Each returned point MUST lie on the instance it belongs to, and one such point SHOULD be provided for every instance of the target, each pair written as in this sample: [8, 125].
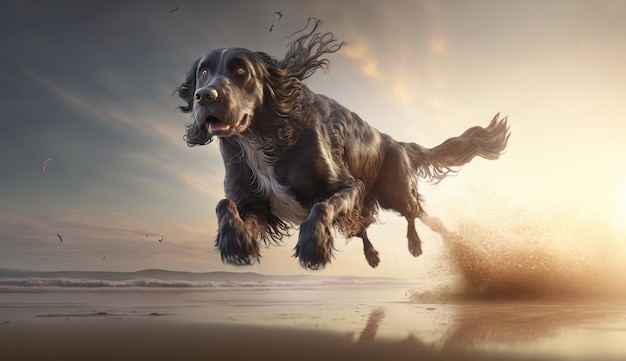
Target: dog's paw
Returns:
[315, 243]
[415, 249]
[415, 246]
[371, 255]
[236, 244]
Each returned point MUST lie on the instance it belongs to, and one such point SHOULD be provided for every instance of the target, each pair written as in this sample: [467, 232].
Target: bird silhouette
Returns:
[175, 9]
[279, 13]
[271, 28]
[45, 164]
[161, 240]
[61, 238]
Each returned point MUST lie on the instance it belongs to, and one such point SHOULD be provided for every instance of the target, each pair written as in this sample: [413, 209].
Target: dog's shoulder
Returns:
[335, 117]
[324, 108]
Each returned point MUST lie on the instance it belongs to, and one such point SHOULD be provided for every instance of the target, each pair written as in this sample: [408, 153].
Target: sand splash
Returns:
[529, 260]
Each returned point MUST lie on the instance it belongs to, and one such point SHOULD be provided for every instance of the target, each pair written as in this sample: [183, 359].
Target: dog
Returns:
[296, 158]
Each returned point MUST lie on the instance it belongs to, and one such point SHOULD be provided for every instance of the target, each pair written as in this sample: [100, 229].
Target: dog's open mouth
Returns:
[221, 129]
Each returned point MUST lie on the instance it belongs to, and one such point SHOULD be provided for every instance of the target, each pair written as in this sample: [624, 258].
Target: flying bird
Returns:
[271, 28]
[103, 258]
[279, 13]
[175, 9]
[161, 240]
[45, 164]
[61, 238]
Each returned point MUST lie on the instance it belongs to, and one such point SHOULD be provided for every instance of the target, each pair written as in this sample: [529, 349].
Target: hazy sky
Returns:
[90, 85]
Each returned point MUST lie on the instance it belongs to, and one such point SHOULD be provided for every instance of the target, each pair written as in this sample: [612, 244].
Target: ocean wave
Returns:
[45, 285]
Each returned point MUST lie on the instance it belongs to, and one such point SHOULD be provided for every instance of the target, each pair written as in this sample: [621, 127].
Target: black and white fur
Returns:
[296, 158]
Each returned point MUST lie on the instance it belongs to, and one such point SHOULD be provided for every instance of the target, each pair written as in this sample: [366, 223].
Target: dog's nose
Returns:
[206, 95]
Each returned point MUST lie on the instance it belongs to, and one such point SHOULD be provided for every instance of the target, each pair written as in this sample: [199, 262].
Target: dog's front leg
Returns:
[237, 236]
[315, 243]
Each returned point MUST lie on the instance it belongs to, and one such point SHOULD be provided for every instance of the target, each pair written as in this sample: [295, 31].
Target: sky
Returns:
[91, 85]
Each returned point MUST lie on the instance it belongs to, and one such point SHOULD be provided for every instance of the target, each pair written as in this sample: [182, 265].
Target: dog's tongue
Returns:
[217, 126]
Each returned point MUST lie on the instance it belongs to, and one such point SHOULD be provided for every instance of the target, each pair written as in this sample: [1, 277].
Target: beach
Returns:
[501, 301]
[325, 321]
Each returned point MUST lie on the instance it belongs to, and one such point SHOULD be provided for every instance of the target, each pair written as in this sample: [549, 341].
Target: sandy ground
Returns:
[304, 324]
[162, 339]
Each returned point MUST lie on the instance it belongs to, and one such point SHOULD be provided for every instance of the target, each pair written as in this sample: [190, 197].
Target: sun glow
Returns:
[620, 217]
[623, 208]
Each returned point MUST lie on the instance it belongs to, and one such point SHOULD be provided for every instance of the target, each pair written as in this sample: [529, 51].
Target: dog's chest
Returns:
[265, 183]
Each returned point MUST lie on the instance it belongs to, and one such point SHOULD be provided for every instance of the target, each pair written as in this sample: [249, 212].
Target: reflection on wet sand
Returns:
[542, 330]
[509, 330]
[371, 327]
[485, 324]
[515, 324]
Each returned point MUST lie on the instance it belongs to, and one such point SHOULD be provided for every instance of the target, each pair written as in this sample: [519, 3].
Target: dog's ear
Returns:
[187, 89]
[269, 60]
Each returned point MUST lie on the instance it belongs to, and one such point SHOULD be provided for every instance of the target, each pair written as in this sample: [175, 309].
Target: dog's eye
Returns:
[204, 73]
[241, 71]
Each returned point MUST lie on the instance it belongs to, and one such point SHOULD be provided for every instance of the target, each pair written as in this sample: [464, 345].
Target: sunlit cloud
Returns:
[438, 44]
[437, 40]
[193, 178]
[363, 53]
[404, 92]
[411, 72]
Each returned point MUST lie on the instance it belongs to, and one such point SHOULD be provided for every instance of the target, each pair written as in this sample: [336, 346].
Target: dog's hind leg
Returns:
[397, 190]
[315, 242]
[371, 254]
[415, 244]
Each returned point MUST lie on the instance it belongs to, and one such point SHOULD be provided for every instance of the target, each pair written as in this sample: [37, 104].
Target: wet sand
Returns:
[166, 340]
[304, 324]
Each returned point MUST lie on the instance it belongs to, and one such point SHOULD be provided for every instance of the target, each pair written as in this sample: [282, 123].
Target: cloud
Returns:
[72, 99]
[96, 110]
[362, 52]
[437, 39]
[161, 141]
[438, 44]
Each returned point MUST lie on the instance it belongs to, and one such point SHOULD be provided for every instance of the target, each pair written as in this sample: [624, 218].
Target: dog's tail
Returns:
[436, 163]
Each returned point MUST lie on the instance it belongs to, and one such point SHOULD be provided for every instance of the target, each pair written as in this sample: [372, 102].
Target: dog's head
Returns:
[230, 91]
[223, 90]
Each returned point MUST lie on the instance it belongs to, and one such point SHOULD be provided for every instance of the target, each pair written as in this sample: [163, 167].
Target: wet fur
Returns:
[297, 158]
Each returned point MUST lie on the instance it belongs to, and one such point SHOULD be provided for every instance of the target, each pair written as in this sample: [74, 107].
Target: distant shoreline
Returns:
[168, 274]
[20, 281]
